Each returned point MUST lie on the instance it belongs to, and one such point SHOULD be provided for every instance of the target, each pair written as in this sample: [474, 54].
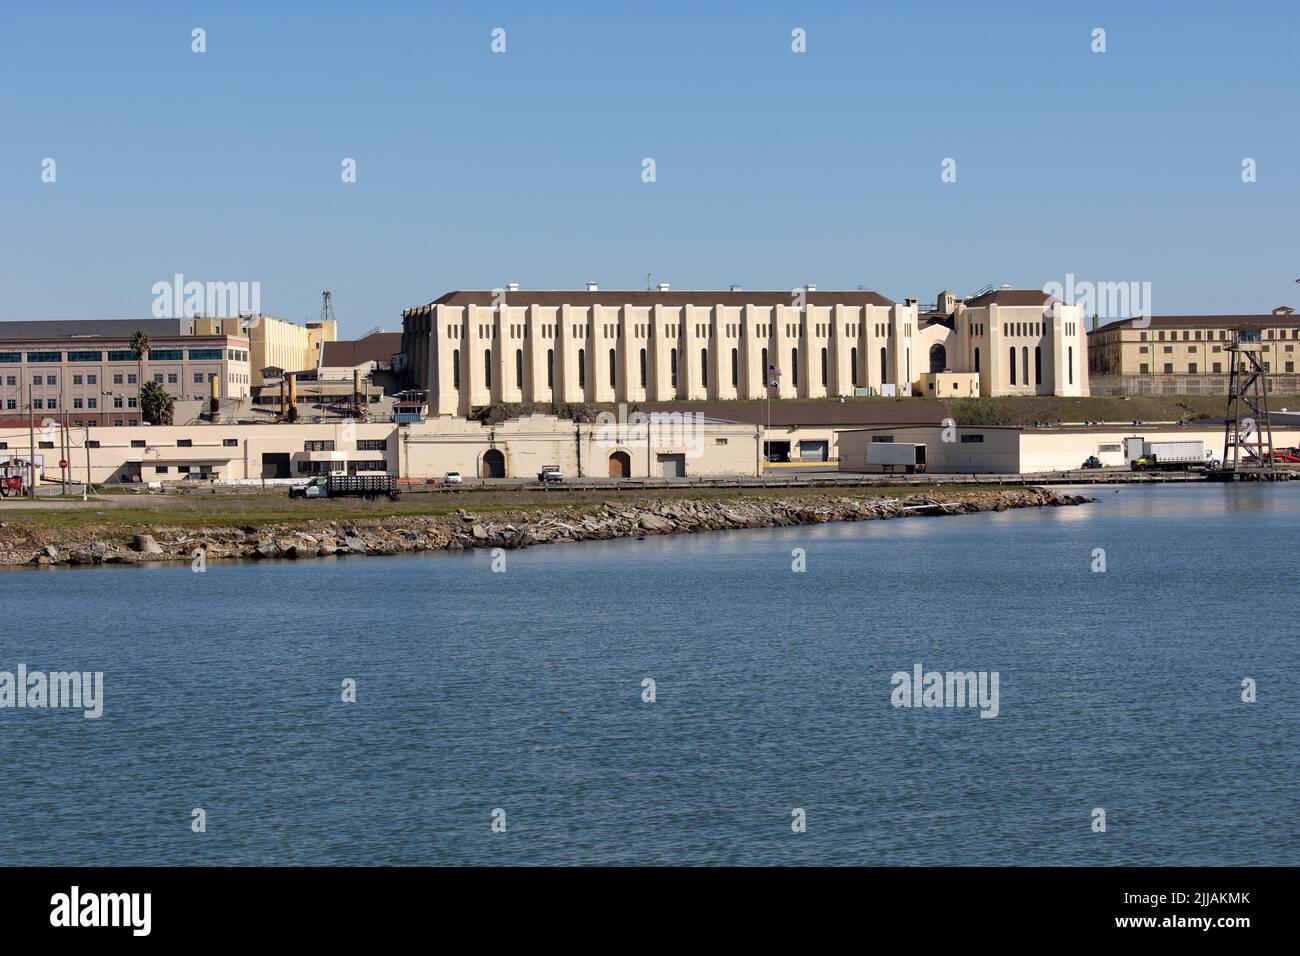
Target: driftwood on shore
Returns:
[396, 534]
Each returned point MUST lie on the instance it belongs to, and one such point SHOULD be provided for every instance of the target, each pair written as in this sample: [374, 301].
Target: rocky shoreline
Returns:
[398, 534]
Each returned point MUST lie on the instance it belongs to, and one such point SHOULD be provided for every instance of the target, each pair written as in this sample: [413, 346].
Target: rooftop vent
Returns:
[663, 287]
[592, 287]
[735, 288]
[1284, 310]
[512, 286]
[810, 287]
[1005, 285]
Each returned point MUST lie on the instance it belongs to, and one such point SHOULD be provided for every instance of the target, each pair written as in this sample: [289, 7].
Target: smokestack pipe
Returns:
[356, 393]
[283, 408]
[214, 384]
[293, 397]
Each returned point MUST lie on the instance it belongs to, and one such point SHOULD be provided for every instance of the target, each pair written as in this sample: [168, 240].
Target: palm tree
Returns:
[156, 405]
[140, 346]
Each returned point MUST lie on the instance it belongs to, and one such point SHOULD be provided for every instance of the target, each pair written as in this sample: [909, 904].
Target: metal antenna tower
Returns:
[1247, 433]
[327, 306]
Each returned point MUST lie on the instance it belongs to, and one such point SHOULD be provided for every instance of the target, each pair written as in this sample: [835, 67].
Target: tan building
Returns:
[273, 343]
[471, 349]
[1186, 354]
[88, 369]
[672, 445]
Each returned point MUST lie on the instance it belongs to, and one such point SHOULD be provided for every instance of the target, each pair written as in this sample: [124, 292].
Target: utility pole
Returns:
[31, 443]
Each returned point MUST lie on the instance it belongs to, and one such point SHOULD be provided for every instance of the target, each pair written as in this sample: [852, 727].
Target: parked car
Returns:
[1092, 461]
[550, 473]
[453, 478]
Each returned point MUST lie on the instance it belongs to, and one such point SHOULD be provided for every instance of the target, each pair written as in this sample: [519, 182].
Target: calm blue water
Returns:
[522, 690]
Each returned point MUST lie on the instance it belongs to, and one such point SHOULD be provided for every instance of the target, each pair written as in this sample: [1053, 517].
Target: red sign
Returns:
[63, 463]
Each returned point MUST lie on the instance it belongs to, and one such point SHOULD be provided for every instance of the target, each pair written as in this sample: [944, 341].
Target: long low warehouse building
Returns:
[670, 445]
[1013, 450]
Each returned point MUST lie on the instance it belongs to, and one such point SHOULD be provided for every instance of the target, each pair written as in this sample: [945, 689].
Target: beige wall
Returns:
[1200, 350]
[688, 352]
[1009, 450]
[425, 450]
[276, 342]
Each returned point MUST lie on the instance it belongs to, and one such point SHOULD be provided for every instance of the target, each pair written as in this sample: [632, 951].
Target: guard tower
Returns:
[1247, 434]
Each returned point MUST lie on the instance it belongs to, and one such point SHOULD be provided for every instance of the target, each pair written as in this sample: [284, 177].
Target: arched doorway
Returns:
[494, 463]
[938, 358]
[620, 465]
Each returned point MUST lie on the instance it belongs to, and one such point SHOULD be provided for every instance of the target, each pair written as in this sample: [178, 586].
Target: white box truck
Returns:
[1166, 455]
[890, 455]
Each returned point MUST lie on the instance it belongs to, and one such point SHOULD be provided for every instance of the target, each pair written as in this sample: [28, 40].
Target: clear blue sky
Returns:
[773, 168]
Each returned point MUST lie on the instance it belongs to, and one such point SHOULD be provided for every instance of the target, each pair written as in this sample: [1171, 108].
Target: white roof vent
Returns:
[512, 286]
[810, 287]
[663, 287]
[1005, 285]
[736, 288]
[592, 287]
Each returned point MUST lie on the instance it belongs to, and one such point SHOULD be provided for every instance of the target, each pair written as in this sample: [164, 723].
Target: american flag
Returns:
[773, 376]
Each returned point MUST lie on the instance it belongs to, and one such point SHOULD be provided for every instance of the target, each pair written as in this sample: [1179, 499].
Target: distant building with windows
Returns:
[469, 349]
[87, 366]
[1186, 354]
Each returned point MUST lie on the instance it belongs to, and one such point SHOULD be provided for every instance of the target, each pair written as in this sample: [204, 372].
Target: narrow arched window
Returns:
[643, 368]
[519, 368]
[824, 367]
[455, 368]
[550, 368]
[735, 368]
[582, 368]
[704, 368]
[1013, 365]
[613, 368]
[487, 368]
[794, 367]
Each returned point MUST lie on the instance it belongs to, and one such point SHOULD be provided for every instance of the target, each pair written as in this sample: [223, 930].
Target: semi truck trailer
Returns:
[890, 455]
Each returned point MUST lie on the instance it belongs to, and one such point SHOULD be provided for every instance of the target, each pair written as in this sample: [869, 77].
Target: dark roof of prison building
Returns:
[375, 347]
[92, 328]
[650, 297]
[1286, 320]
[1013, 297]
[814, 412]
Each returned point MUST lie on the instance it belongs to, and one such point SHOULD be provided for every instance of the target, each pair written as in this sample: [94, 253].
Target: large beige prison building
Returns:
[471, 349]
[1187, 354]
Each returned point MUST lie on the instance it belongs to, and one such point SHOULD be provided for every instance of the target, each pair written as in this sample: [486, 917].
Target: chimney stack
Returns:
[356, 393]
[592, 287]
[214, 391]
[293, 397]
[283, 407]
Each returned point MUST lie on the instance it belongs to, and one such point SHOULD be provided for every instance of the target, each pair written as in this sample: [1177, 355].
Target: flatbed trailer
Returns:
[369, 487]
